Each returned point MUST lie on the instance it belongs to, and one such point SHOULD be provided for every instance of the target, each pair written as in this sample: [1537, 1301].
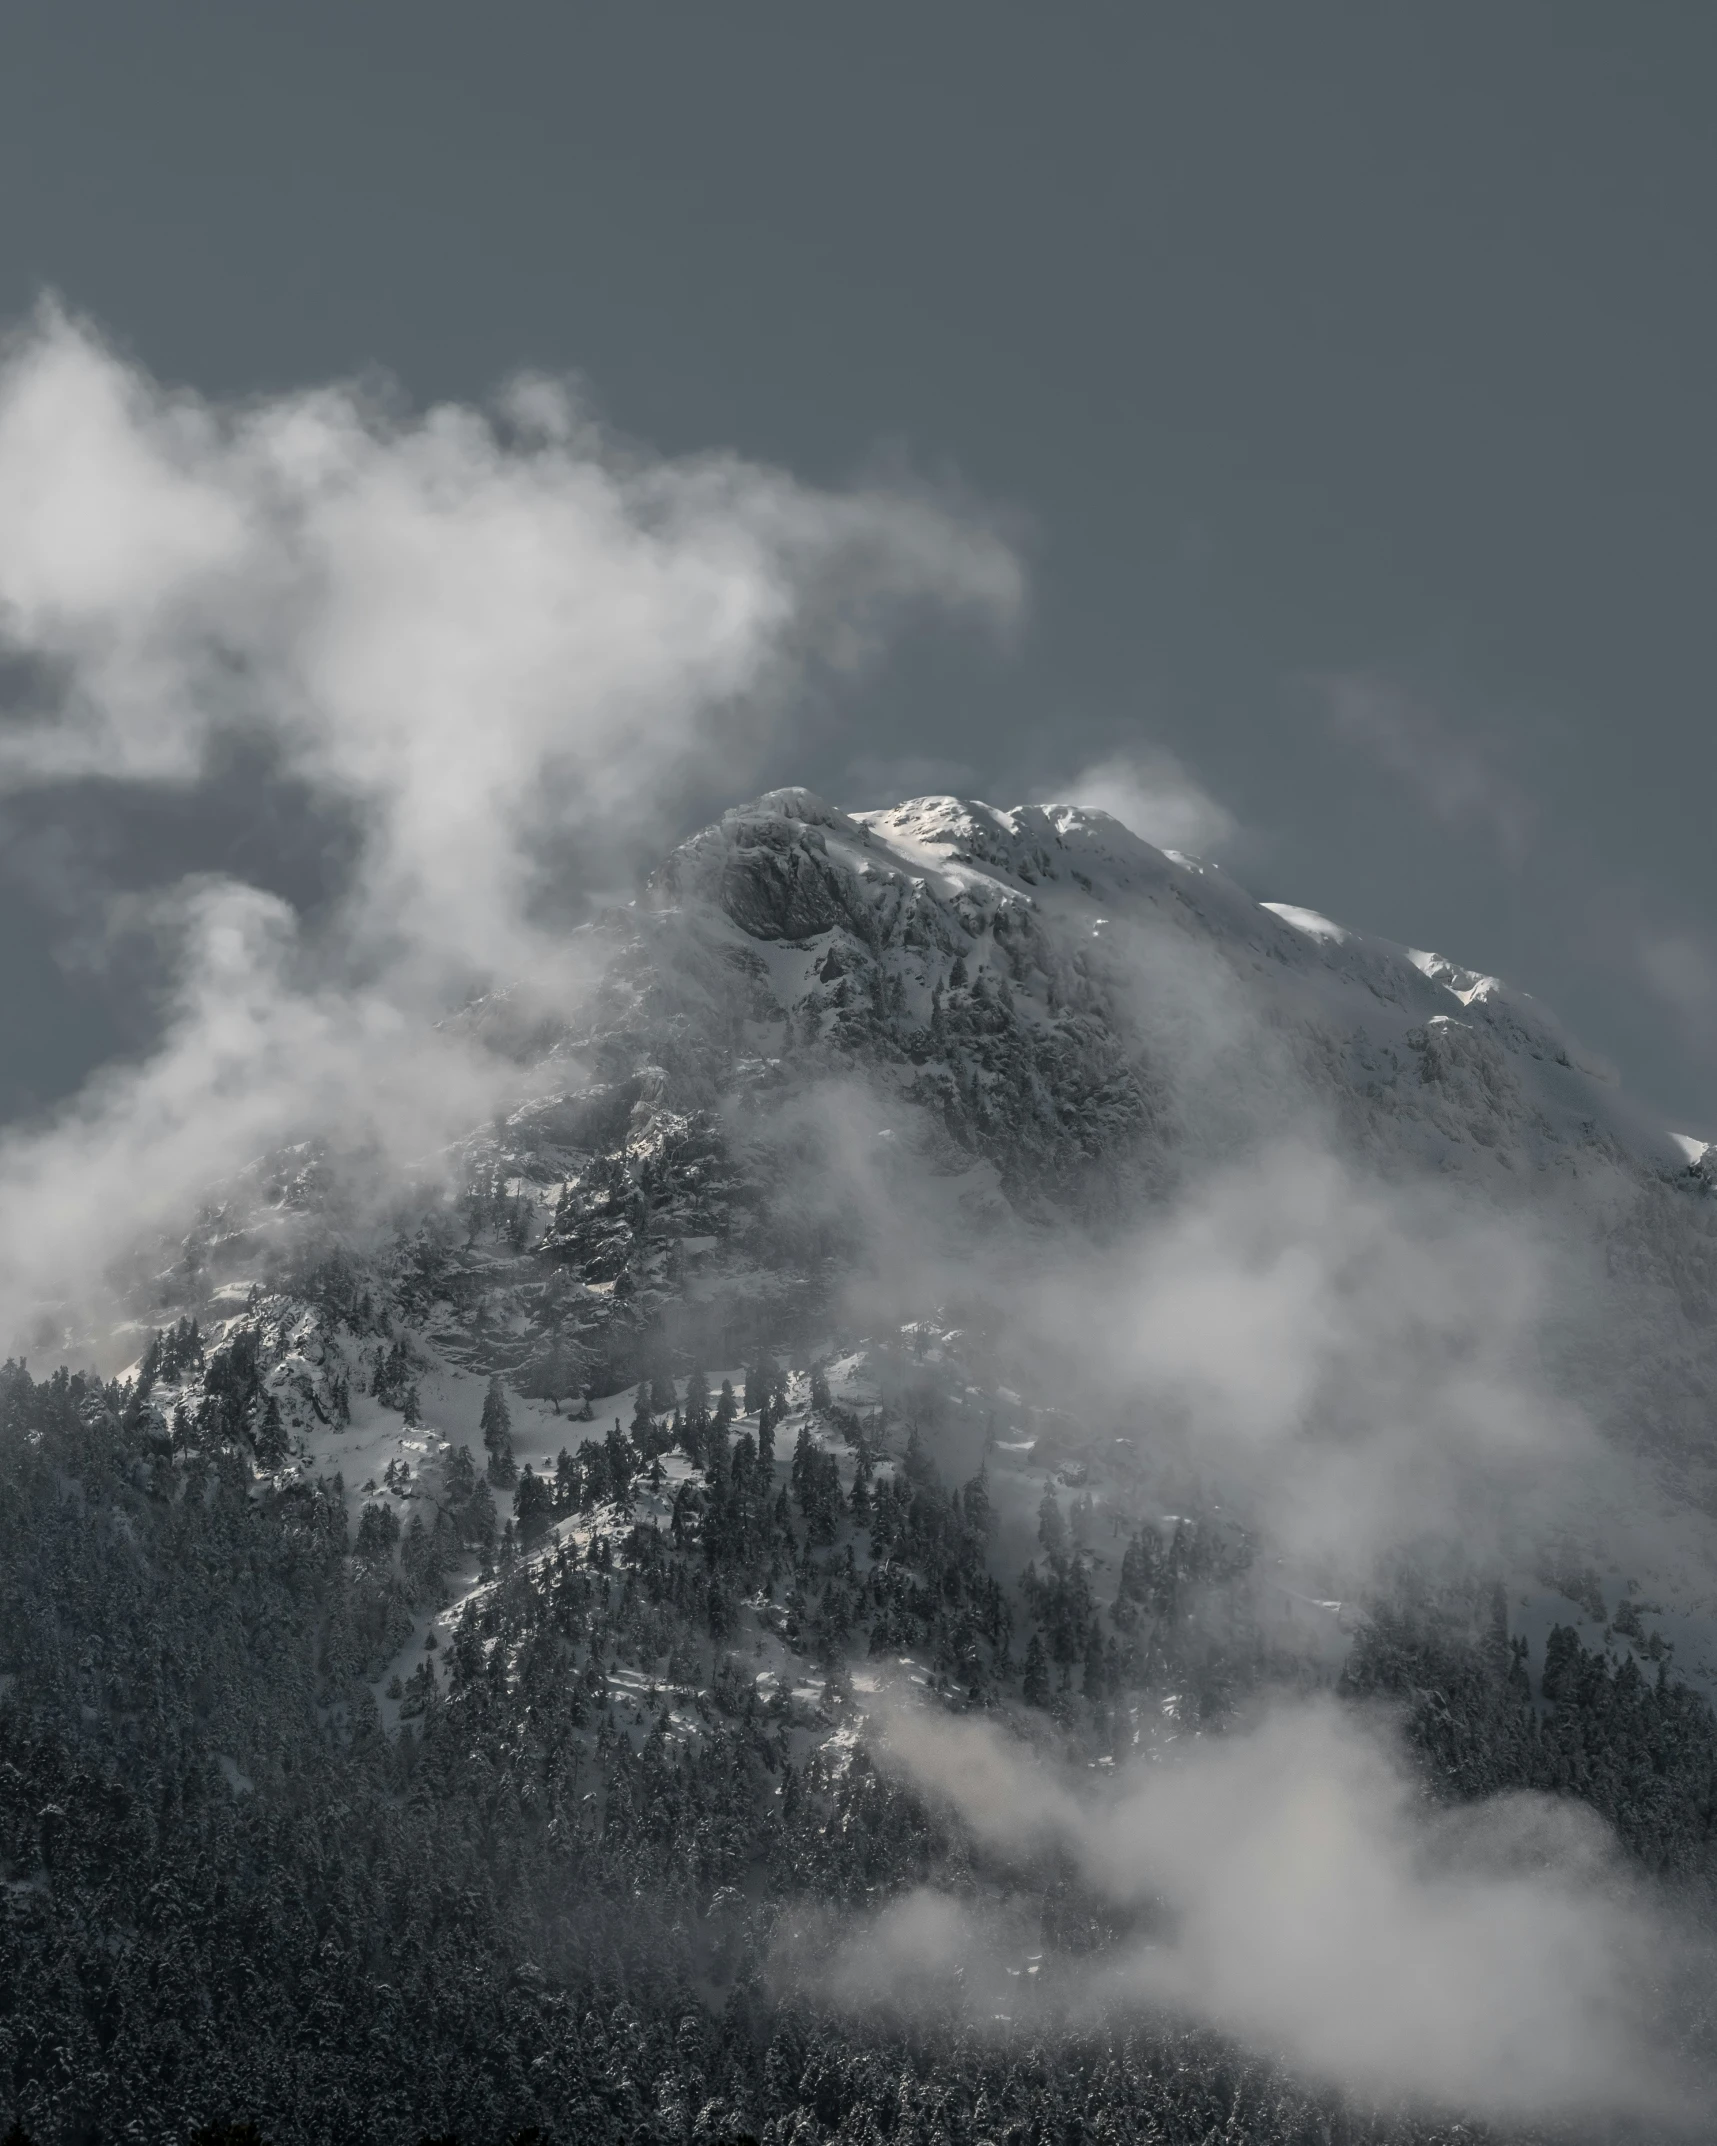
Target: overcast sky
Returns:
[1345, 373]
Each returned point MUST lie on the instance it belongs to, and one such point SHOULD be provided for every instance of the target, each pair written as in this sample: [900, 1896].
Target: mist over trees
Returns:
[539, 1772]
[561, 1892]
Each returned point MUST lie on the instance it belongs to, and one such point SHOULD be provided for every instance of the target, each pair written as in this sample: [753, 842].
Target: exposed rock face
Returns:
[994, 1022]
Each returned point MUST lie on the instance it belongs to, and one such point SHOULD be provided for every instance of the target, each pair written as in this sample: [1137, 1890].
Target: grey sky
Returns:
[1348, 368]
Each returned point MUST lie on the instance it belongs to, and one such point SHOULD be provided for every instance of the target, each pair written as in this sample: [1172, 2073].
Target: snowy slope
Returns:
[944, 1024]
[1068, 920]
[906, 1124]
[964, 1022]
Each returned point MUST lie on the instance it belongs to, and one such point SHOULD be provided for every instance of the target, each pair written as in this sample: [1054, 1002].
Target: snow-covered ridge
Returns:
[1021, 1019]
[1067, 1024]
[1054, 898]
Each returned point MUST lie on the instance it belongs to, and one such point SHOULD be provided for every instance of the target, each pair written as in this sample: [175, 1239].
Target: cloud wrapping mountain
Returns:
[501, 642]
[1353, 1240]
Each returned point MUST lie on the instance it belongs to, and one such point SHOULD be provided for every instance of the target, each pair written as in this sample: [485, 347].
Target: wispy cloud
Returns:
[1451, 773]
[1680, 967]
[1289, 1885]
[501, 645]
[1152, 793]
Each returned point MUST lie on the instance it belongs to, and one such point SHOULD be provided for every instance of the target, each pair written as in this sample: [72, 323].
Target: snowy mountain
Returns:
[1029, 1020]
[1065, 1227]
[840, 1073]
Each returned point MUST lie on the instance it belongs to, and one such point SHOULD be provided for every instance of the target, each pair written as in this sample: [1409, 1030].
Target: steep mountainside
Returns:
[1046, 1020]
[438, 1681]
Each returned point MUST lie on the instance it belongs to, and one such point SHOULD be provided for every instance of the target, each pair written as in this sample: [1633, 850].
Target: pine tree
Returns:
[1051, 1527]
[1096, 1679]
[459, 1478]
[496, 1420]
[715, 1458]
[533, 1507]
[620, 1460]
[1034, 1688]
[270, 1435]
[496, 1423]
[378, 1531]
[393, 1375]
[803, 1453]
[417, 1557]
[481, 1522]
[975, 1502]
[556, 1376]
[917, 1465]
[1138, 1566]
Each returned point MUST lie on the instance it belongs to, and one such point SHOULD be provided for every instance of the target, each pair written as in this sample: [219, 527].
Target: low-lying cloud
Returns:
[1289, 1885]
[1350, 1363]
[1348, 1348]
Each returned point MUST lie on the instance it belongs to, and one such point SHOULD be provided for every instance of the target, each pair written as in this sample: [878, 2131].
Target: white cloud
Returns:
[491, 638]
[1357, 1362]
[1290, 1886]
[1346, 1347]
[1152, 793]
[483, 639]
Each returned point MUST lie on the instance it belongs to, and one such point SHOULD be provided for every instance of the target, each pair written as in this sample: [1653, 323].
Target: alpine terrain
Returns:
[1010, 1496]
